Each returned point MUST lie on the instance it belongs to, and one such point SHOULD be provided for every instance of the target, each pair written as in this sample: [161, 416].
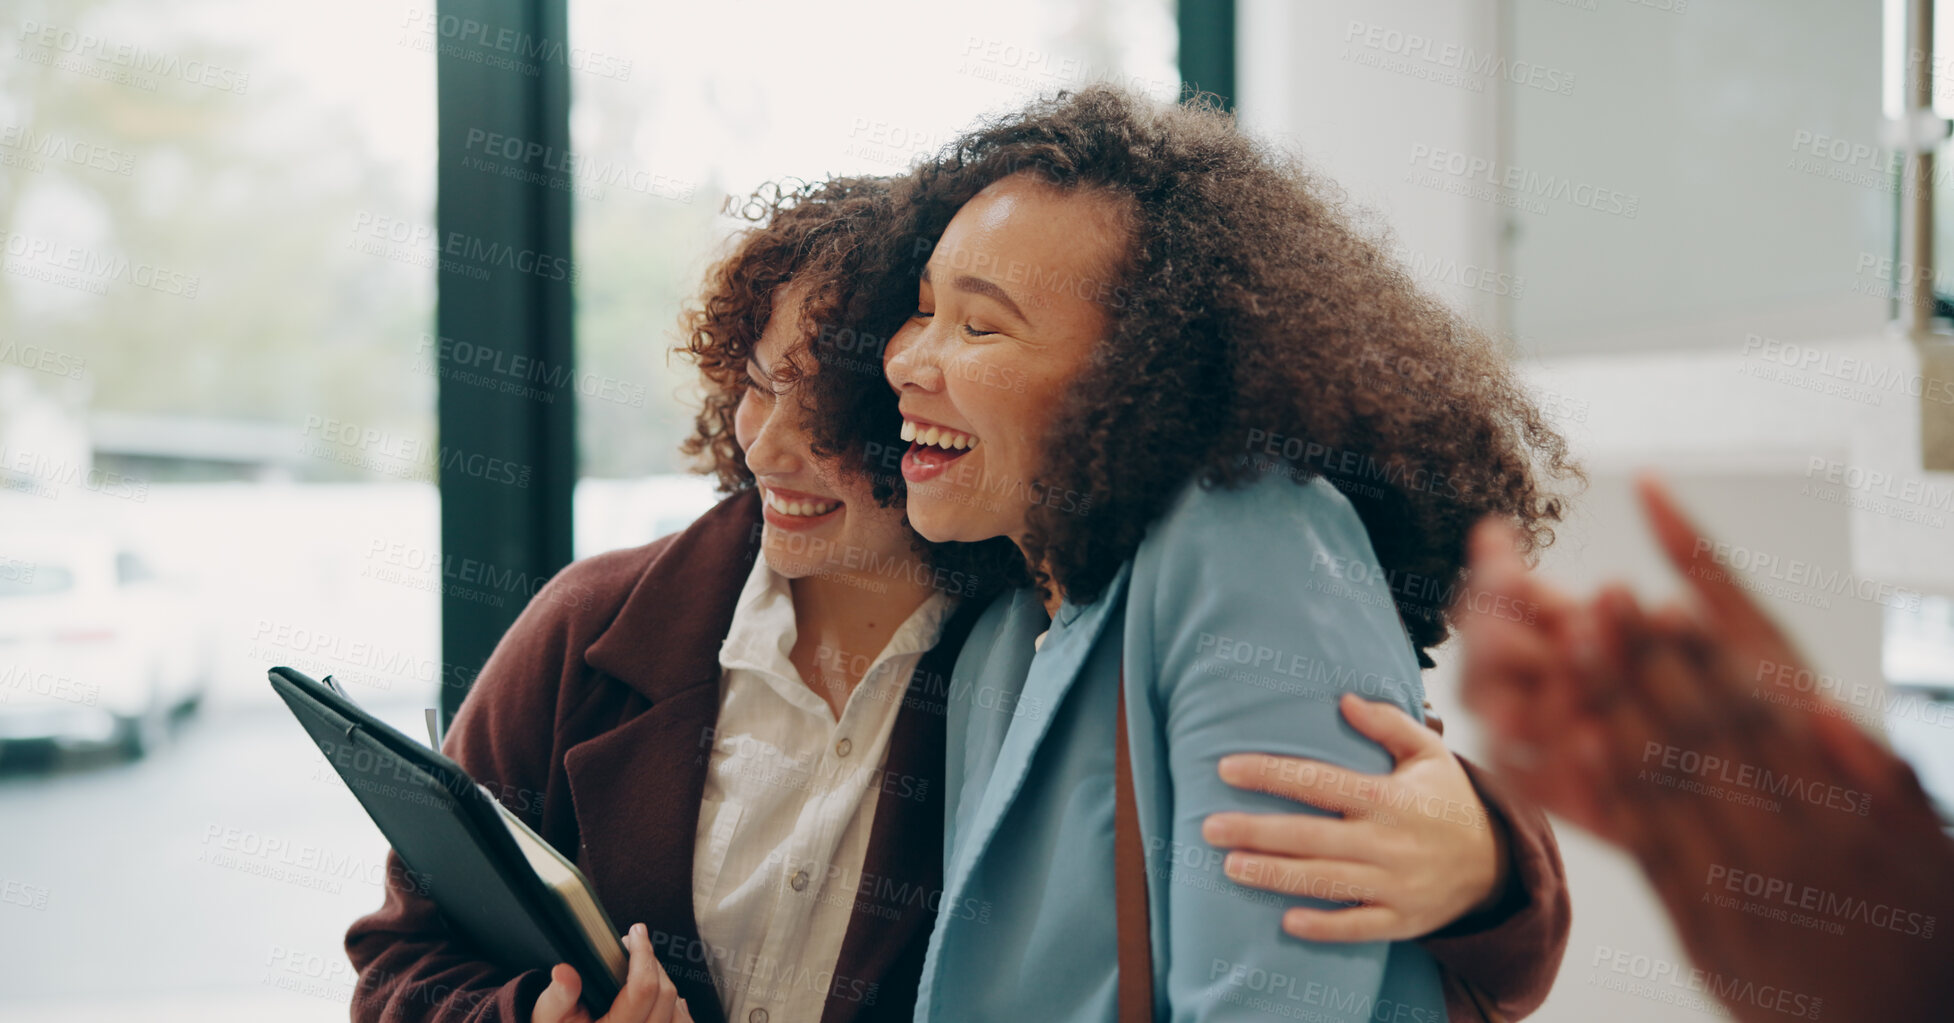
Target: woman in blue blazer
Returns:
[1238, 451]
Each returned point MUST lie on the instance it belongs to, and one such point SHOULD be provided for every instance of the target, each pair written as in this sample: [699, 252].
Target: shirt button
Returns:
[757, 1016]
[843, 748]
[799, 882]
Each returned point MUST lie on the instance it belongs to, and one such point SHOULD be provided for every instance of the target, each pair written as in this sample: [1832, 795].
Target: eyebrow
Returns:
[978, 285]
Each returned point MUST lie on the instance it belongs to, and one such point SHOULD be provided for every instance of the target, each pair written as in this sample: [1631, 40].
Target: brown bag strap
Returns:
[1135, 989]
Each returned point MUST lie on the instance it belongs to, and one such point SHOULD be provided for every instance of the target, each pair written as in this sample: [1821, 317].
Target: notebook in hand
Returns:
[500, 884]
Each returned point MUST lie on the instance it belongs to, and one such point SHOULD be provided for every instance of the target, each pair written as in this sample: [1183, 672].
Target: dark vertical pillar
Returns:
[507, 406]
[1207, 49]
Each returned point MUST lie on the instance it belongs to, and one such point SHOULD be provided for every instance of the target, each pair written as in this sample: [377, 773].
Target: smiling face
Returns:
[1008, 313]
[817, 519]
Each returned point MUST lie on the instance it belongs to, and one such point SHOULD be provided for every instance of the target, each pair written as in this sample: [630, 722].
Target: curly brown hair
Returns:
[1254, 328]
[836, 240]
[809, 233]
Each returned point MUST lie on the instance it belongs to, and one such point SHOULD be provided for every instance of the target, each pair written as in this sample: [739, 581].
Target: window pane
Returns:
[216, 419]
[1917, 706]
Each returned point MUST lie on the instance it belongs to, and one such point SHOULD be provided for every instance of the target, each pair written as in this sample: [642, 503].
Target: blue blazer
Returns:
[1240, 620]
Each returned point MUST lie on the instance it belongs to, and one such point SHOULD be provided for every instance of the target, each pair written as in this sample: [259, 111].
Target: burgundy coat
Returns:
[593, 720]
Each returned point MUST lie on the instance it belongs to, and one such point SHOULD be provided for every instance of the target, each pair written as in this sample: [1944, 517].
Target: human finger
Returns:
[1358, 923]
[558, 1001]
[1383, 723]
[1331, 880]
[1314, 782]
[638, 998]
[1298, 835]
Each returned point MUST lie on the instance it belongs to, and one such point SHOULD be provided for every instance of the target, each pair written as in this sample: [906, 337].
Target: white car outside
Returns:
[94, 648]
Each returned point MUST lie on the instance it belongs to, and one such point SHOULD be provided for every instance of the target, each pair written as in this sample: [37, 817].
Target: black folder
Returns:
[508, 892]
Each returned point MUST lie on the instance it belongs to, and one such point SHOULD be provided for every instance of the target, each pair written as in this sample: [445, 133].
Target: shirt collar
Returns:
[763, 630]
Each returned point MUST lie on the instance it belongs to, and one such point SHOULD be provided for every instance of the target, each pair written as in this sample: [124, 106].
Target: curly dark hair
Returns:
[811, 233]
[1254, 328]
[837, 240]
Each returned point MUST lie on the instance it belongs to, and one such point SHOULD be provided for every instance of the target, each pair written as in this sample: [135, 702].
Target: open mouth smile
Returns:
[931, 449]
[790, 510]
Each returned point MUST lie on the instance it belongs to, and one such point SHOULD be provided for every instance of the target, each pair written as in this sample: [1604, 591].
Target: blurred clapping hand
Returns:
[1800, 862]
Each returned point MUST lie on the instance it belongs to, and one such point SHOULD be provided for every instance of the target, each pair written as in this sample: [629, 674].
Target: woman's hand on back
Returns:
[649, 996]
[1414, 850]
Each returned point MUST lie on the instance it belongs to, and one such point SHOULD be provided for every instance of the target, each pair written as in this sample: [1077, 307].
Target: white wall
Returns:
[1709, 116]
[1304, 83]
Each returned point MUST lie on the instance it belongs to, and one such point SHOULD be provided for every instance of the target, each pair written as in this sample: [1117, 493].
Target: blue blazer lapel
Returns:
[1058, 665]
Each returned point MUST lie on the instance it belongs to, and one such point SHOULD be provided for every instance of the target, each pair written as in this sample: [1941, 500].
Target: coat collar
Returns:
[1060, 662]
[661, 646]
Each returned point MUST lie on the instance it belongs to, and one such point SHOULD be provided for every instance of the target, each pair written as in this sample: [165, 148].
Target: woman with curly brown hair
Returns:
[1159, 362]
[736, 730]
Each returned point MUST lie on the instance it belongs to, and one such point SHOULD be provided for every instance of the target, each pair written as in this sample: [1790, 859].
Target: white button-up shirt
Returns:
[789, 801]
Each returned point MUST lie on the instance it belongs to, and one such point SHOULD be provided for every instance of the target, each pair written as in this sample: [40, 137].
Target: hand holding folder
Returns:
[498, 883]
[648, 996]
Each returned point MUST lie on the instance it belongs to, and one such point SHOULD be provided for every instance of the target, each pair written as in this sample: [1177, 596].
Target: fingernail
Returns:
[1215, 828]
